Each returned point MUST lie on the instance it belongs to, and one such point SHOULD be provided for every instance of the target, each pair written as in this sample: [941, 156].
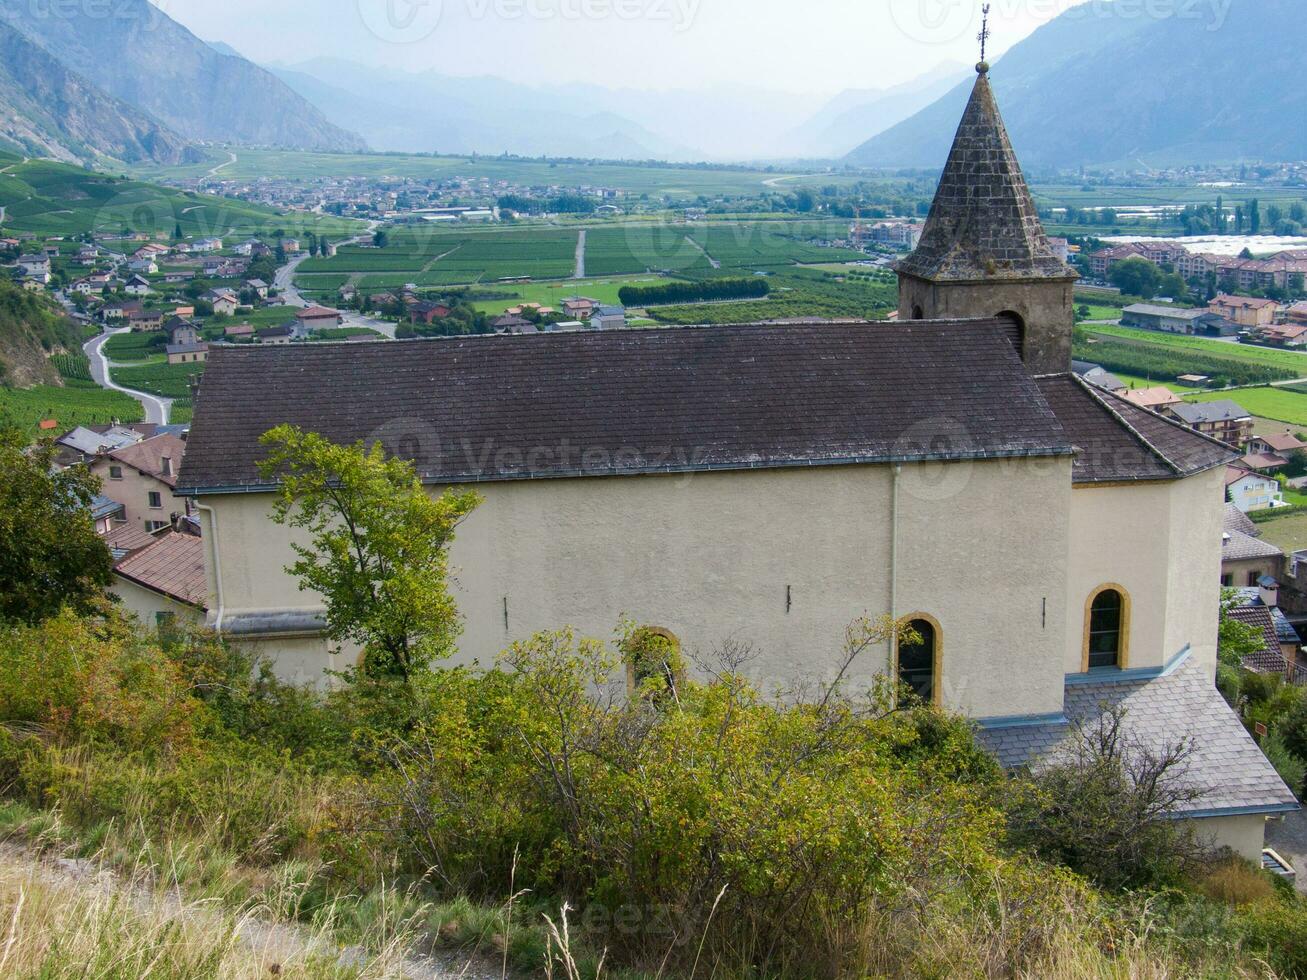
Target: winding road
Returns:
[156, 409]
[290, 296]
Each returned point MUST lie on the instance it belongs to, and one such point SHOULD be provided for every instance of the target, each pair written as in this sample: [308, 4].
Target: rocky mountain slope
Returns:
[48, 110]
[1104, 85]
[149, 61]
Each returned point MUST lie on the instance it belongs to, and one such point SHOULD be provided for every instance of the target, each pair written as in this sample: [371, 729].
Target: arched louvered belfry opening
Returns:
[1016, 331]
[918, 313]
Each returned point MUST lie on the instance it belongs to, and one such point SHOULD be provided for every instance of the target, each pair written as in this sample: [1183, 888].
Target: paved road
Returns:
[156, 409]
[1288, 837]
[222, 166]
[290, 296]
[580, 256]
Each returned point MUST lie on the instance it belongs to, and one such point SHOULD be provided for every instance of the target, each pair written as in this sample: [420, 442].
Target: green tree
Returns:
[1254, 216]
[1136, 277]
[50, 555]
[377, 546]
[381, 239]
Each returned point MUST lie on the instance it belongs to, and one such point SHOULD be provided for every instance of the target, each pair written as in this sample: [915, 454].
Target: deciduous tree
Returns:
[377, 546]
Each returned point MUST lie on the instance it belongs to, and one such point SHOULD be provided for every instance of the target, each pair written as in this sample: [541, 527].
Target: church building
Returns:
[1056, 548]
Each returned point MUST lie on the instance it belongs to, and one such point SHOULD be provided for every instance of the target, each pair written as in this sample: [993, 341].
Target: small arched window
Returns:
[918, 313]
[655, 667]
[918, 658]
[1107, 629]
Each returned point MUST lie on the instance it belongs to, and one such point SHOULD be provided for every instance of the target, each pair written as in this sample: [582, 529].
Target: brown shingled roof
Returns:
[619, 402]
[1120, 442]
[173, 566]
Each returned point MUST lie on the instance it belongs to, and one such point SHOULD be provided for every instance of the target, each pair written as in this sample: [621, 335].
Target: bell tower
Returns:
[983, 251]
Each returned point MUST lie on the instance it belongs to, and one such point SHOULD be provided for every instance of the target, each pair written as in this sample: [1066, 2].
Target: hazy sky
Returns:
[792, 45]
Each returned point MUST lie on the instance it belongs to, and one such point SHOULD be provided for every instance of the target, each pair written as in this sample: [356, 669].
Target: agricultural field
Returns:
[552, 294]
[456, 256]
[158, 377]
[1157, 354]
[763, 243]
[792, 296]
[77, 403]
[48, 198]
[635, 248]
[633, 178]
[1275, 404]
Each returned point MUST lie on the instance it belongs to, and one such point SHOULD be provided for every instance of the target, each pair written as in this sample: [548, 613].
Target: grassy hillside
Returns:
[47, 198]
[30, 331]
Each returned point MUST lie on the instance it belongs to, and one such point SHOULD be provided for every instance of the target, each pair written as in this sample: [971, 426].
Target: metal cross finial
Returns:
[983, 36]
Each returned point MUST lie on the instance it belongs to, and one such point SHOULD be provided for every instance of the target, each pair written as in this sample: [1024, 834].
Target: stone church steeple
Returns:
[983, 251]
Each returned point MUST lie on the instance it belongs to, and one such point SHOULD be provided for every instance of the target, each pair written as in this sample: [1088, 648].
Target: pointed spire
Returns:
[983, 224]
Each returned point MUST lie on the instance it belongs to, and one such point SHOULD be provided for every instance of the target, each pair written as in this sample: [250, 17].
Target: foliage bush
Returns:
[704, 290]
[821, 832]
[1161, 362]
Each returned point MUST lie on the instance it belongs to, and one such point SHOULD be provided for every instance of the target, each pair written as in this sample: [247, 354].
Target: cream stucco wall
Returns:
[1245, 835]
[1161, 542]
[712, 556]
[146, 605]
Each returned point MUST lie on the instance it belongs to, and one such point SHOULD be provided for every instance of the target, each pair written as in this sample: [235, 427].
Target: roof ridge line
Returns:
[1125, 423]
[1179, 425]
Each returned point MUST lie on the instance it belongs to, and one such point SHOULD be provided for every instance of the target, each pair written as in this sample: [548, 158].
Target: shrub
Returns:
[782, 816]
[1105, 808]
[1277, 932]
[705, 290]
[94, 682]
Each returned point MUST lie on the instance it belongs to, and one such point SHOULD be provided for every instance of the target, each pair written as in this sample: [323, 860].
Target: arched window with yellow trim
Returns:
[655, 667]
[1107, 629]
[918, 656]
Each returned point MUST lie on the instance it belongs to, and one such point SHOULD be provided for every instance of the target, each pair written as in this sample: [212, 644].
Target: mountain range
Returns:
[137, 86]
[430, 112]
[1104, 85]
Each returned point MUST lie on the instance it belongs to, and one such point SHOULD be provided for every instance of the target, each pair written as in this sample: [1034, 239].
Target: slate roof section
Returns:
[147, 457]
[983, 224]
[1270, 659]
[1237, 520]
[124, 540]
[1238, 546]
[602, 403]
[1119, 442]
[173, 566]
[1209, 412]
[1183, 704]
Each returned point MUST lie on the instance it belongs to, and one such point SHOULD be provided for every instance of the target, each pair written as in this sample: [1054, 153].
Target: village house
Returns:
[239, 331]
[141, 477]
[768, 483]
[138, 286]
[1169, 319]
[428, 312]
[143, 321]
[192, 353]
[258, 287]
[1225, 420]
[608, 318]
[1245, 310]
[1251, 491]
[1291, 335]
[163, 583]
[1280, 443]
[182, 331]
[223, 301]
[317, 317]
[1245, 558]
[1158, 399]
[579, 308]
[279, 335]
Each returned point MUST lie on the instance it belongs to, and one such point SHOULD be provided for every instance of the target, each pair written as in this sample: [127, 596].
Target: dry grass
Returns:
[54, 929]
